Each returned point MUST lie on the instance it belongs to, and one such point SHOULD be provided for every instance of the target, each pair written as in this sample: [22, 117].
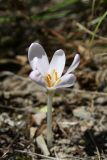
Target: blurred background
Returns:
[76, 26]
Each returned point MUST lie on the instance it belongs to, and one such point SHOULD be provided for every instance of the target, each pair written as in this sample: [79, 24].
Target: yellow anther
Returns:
[53, 79]
[55, 74]
[49, 76]
[48, 80]
[58, 81]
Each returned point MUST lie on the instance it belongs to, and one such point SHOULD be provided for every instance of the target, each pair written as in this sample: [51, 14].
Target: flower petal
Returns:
[38, 78]
[67, 80]
[33, 63]
[58, 62]
[74, 64]
[36, 50]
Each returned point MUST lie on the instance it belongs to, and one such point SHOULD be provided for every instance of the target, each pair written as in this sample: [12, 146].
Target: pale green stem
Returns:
[49, 120]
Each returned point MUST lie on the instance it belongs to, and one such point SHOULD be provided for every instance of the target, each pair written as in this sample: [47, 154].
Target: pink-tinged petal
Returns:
[74, 64]
[36, 50]
[38, 78]
[67, 80]
[58, 62]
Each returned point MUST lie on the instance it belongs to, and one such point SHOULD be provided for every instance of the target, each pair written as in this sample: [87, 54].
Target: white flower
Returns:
[49, 76]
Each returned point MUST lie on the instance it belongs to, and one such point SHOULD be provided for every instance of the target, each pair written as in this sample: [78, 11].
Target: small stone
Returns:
[32, 132]
[42, 145]
[82, 113]
[38, 117]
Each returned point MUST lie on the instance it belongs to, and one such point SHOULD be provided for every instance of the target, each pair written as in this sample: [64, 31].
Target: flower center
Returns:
[52, 79]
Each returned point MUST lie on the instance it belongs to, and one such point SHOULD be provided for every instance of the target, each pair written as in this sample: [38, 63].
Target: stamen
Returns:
[53, 79]
[55, 75]
[48, 80]
[58, 81]
[49, 76]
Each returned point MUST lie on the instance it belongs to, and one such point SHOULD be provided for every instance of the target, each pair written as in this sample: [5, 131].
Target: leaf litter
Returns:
[80, 113]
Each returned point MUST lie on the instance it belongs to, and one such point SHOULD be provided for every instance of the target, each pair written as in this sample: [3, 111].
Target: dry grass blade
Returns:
[90, 32]
[93, 7]
[35, 154]
[97, 150]
[97, 26]
[88, 92]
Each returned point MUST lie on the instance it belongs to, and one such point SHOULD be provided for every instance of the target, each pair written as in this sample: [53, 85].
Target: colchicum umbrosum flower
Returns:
[49, 75]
